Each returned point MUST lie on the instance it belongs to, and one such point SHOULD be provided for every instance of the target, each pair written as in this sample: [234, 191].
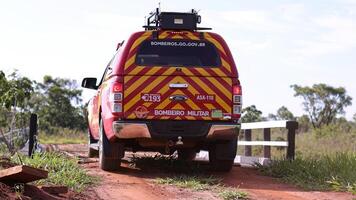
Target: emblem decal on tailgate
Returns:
[141, 112]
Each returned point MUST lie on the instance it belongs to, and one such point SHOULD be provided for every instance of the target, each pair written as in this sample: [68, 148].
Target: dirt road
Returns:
[132, 183]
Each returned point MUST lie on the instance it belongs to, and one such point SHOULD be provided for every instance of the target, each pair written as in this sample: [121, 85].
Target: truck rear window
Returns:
[178, 53]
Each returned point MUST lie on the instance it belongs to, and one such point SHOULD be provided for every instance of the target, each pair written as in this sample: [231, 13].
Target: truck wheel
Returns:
[222, 155]
[186, 154]
[92, 152]
[109, 153]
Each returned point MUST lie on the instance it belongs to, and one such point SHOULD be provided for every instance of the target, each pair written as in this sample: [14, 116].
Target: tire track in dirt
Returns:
[135, 184]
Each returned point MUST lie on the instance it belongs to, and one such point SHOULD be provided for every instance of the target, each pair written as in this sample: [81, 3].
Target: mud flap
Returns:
[225, 150]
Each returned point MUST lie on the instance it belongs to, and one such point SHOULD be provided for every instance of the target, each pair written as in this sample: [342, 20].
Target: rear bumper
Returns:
[141, 129]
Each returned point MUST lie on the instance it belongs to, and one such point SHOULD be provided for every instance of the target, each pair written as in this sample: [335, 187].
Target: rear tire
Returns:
[92, 153]
[186, 154]
[222, 155]
[109, 153]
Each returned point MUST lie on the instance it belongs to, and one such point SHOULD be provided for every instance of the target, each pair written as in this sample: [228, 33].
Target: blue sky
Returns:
[275, 43]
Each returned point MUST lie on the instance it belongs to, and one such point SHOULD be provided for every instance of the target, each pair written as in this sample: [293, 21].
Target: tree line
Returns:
[322, 103]
[57, 101]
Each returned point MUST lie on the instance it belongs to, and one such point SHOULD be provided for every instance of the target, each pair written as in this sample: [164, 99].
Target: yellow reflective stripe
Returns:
[226, 64]
[153, 70]
[140, 39]
[163, 35]
[131, 116]
[163, 104]
[210, 91]
[192, 36]
[203, 72]
[169, 71]
[130, 61]
[215, 42]
[209, 106]
[226, 92]
[218, 72]
[136, 70]
[178, 107]
[192, 90]
[127, 78]
[192, 105]
[176, 36]
[135, 85]
[187, 72]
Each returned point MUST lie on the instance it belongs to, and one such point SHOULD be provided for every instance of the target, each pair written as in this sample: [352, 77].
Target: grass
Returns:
[203, 183]
[63, 136]
[232, 194]
[327, 172]
[188, 175]
[325, 159]
[312, 145]
[192, 182]
[62, 170]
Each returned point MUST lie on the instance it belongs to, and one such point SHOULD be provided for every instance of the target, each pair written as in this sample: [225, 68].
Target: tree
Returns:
[272, 117]
[251, 114]
[284, 114]
[15, 91]
[323, 102]
[303, 123]
[57, 102]
[354, 117]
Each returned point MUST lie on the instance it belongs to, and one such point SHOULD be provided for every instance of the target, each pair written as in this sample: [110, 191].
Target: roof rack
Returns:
[158, 20]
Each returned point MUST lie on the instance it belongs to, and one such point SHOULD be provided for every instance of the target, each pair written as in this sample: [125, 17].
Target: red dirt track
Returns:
[136, 184]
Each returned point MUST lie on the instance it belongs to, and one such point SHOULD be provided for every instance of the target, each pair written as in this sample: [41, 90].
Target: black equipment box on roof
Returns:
[174, 21]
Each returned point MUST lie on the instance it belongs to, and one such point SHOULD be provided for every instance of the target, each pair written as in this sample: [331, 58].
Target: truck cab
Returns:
[171, 87]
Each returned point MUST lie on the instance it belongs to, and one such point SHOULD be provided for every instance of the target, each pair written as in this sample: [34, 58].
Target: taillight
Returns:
[116, 98]
[237, 101]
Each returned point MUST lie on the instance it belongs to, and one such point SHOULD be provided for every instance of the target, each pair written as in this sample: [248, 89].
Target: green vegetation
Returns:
[336, 172]
[323, 102]
[200, 183]
[62, 170]
[195, 182]
[189, 175]
[57, 102]
[251, 114]
[232, 194]
[325, 142]
[63, 136]
[325, 156]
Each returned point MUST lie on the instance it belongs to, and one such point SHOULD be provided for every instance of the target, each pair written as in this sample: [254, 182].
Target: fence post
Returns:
[291, 126]
[33, 132]
[267, 137]
[248, 149]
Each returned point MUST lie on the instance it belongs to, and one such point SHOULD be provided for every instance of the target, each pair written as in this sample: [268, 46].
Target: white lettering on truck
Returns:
[193, 113]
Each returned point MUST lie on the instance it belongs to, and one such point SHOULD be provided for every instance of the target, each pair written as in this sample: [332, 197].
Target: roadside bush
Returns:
[335, 172]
